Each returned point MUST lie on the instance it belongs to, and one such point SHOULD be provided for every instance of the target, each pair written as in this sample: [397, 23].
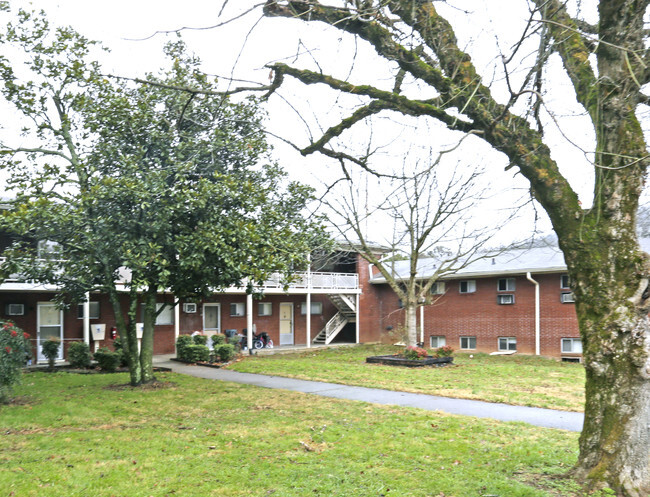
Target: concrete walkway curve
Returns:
[547, 418]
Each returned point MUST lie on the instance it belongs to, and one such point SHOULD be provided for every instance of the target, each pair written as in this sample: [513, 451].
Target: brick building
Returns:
[517, 301]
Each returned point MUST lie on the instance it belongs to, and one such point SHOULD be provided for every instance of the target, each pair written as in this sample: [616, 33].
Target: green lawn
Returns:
[69, 435]
[519, 379]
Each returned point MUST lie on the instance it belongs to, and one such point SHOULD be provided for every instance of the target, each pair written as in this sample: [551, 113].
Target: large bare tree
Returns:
[425, 218]
[608, 65]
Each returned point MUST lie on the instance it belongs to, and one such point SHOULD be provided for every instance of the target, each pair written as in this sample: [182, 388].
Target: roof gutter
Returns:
[537, 321]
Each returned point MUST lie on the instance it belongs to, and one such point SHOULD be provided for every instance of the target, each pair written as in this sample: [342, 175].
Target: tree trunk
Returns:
[127, 331]
[146, 346]
[612, 310]
[410, 322]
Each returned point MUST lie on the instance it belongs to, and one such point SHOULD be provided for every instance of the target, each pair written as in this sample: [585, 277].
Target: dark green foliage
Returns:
[194, 353]
[200, 339]
[50, 349]
[107, 359]
[79, 355]
[119, 348]
[182, 342]
[225, 352]
[218, 339]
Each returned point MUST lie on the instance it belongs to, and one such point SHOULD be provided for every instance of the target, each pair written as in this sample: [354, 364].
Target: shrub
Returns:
[414, 353]
[79, 355]
[107, 359]
[218, 340]
[225, 351]
[195, 353]
[444, 351]
[119, 348]
[50, 349]
[181, 342]
[200, 339]
[234, 340]
[15, 350]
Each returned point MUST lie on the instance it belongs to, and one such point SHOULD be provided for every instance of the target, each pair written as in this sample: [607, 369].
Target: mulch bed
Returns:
[396, 360]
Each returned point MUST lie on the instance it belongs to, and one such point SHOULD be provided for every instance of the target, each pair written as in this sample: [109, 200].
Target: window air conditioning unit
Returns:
[15, 310]
[506, 299]
[189, 308]
[567, 298]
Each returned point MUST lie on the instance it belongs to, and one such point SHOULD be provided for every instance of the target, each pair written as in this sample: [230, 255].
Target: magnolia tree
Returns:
[599, 51]
[161, 185]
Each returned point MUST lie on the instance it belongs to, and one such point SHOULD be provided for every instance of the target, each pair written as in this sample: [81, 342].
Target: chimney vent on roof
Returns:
[493, 262]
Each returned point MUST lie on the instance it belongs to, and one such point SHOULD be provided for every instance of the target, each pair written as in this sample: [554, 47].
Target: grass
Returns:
[75, 435]
[518, 380]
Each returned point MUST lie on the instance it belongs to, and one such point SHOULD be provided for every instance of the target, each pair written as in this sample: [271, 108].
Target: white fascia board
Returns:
[484, 274]
[27, 287]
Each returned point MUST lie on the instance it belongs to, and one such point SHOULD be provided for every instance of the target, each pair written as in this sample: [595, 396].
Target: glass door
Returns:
[49, 324]
[211, 319]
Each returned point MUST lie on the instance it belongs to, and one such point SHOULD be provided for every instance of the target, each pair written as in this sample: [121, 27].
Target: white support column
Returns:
[308, 303]
[86, 320]
[249, 321]
[177, 323]
[357, 317]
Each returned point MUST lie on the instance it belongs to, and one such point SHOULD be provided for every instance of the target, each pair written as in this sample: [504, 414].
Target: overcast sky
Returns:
[241, 48]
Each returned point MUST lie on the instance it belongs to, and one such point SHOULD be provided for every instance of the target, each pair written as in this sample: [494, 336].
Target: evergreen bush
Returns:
[107, 359]
[218, 340]
[200, 339]
[50, 349]
[225, 351]
[79, 355]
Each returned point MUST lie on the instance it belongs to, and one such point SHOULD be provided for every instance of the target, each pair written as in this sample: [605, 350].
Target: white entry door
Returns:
[211, 319]
[49, 324]
[286, 324]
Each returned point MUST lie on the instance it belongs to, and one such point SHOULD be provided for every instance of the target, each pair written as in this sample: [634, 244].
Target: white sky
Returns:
[242, 48]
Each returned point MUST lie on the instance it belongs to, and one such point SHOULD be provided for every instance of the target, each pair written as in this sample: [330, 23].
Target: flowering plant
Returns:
[412, 352]
[15, 350]
[444, 351]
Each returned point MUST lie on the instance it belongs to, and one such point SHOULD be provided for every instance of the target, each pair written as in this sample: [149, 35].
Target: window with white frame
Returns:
[316, 308]
[507, 343]
[467, 286]
[165, 316]
[567, 298]
[264, 309]
[564, 281]
[438, 288]
[93, 310]
[437, 341]
[572, 345]
[506, 285]
[467, 343]
[238, 309]
[505, 299]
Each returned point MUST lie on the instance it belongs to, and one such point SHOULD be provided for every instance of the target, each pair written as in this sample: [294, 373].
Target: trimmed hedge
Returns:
[79, 355]
[194, 353]
[225, 352]
[107, 359]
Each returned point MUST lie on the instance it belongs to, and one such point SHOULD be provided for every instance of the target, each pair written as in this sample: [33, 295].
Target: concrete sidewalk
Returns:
[548, 418]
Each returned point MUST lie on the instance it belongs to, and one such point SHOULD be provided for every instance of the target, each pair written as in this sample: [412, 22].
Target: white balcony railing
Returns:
[316, 281]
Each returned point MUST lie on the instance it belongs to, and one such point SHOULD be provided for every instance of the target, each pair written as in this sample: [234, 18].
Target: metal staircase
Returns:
[347, 313]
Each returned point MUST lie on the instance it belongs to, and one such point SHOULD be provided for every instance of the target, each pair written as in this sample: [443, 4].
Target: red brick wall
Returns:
[269, 324]
[478, 314]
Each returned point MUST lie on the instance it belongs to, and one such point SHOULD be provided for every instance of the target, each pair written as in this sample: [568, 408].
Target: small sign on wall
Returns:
[98, 331]
[139, 328]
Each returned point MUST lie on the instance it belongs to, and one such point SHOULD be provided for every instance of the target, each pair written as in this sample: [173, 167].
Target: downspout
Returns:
[537, 325]
[422, 325]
